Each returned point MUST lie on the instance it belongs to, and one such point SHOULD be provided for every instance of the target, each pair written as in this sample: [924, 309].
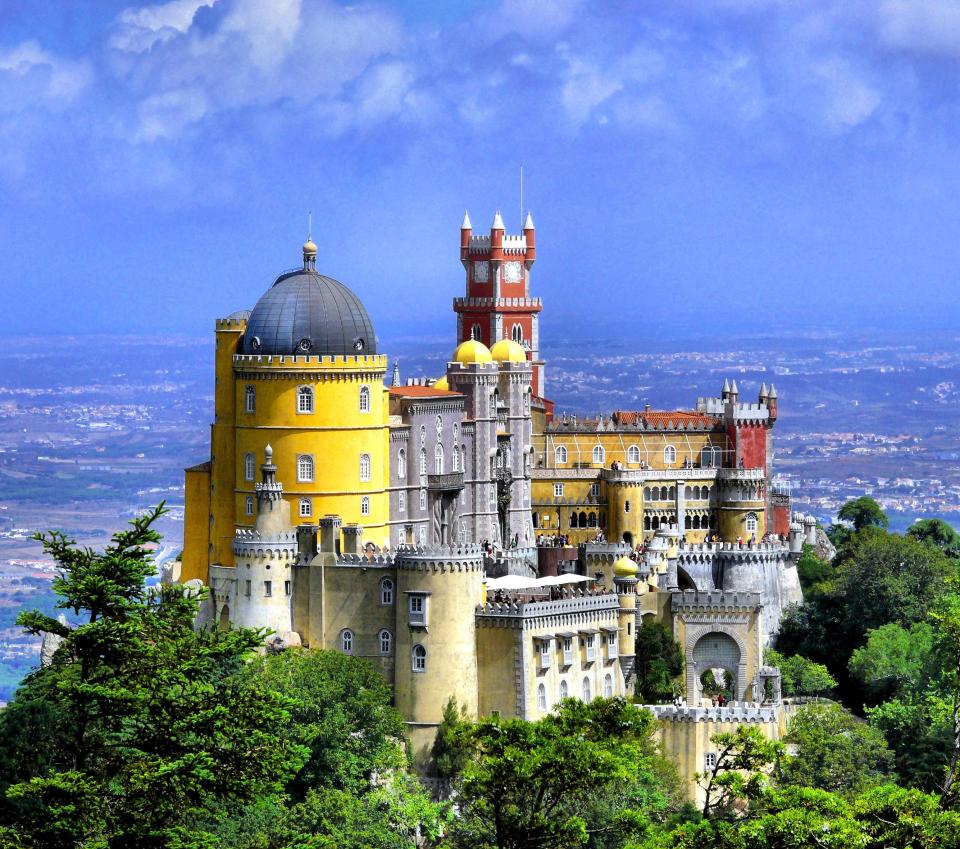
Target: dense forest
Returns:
[144, 732]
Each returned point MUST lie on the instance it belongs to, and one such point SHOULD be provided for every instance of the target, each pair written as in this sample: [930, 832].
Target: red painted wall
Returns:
[750, 442]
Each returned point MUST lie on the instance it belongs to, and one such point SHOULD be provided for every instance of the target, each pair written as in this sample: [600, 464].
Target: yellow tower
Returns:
[302, 373]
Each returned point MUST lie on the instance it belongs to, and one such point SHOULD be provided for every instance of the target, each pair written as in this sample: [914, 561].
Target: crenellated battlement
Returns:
[736, 713]
[716, 601]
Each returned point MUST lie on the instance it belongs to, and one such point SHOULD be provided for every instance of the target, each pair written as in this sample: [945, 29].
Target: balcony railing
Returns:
[450, 482]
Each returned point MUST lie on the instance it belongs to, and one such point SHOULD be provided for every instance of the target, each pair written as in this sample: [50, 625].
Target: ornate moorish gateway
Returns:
[467, 541]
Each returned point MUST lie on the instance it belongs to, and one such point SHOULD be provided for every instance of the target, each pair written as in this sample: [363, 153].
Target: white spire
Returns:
[528, 224]
[763, 390]
[466, 221]
[726, 385]
[733, 389]
[497, 222]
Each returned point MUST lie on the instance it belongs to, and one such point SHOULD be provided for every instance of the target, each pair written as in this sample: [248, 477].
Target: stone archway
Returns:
[224, 622]
[715, 647]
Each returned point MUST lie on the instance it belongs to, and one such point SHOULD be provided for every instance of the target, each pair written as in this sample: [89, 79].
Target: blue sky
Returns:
[719, 166]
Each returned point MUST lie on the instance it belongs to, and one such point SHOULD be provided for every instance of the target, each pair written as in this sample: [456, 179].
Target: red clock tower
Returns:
[497, 304]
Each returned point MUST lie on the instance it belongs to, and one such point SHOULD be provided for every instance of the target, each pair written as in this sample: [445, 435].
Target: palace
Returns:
[466, 540]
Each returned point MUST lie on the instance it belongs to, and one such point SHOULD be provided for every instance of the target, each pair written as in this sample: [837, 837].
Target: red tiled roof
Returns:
[420, 392]
[664, 418]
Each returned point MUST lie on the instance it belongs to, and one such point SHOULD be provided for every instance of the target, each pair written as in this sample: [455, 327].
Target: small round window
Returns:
[359, 344]
[255, 343]
[304, 345]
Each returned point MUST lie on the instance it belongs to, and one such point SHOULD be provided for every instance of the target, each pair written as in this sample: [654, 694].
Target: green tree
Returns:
[800, 676]
[946, 616]
[659, 660]
[741, 768]
[450, 748]
[862, 513]
[812, 571]
[541, 784]
[835, 751]
[150, 725]
[895, 660]
[340, 709]
[938, 533]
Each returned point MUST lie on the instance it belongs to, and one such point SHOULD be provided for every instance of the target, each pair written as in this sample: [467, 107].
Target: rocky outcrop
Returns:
[824, 549]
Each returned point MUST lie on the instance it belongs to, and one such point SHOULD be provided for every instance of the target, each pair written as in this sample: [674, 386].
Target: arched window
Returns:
[646, 523]
[385, 638]
[688, 492]
[305, 399]
[423, 500]
[250, 399]
[687, 523]
[560, 454]
[423, 435]
[365, 506]
[402, 502]
[456, 459]
[249, 467]
[364, 467]
[608, 686]
[306, 508]
[526, 402]
[633, 454]
[419, 658]
[438, 459]
[386, 591]
[649, 495]
[402, 464]
[475, 332]
[750, 523]
[673, 493]
[583, 519]
[664, 493]
[564, 690]
[592, 520]
[305, 468]
[599, 454]
[541, 697]
[517, 334]
[423, 461]
[346, 641]
[364, 399]
[573, 520]
[670, 455]
[587, 697]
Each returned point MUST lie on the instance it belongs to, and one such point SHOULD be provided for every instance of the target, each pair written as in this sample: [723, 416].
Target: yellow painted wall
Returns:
[196, 524]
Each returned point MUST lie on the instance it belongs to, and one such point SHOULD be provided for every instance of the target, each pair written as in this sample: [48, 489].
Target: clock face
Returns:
[481, 271]
[512, 272]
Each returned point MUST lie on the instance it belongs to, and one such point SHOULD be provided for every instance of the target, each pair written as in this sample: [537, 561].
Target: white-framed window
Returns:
[590, 643]
[306, 507]
[558, 490]
[608, 686]
[288, 588]
[611, 644]
[456, 459]
[365, 506]
[305, 468]
[423, 461]
[564, 690]
[456, 431]
[587, 695]
[249, 505]
[516, 333]
[346, 641]
[385, 639]
[541, 697]
[249, 466]
[475, 332]
[633, 454]
[423, 499]
[750, 523]
[421, 535]
[386, 591]
[417, 608]
[710, 760]
[599, 455]
[268, 588]
[418, 658]
[364, 399]
[567, 651]
[305, 399]
[670, 455]
[402, 502]
[438, 459]
[544, 653]
[364, 467]
[560, 454]
[594, 490]
[402, 464]
[439, 426]
[250, 399]
[423, 435]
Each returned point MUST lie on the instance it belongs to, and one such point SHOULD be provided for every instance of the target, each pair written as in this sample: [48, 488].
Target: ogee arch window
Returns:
[517, 334]
[475, 332]
[305, 399]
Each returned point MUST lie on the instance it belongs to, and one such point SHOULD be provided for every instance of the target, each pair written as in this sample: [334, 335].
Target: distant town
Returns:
[87, 441]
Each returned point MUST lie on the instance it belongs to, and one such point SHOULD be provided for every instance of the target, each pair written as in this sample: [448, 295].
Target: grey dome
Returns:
[307, 313]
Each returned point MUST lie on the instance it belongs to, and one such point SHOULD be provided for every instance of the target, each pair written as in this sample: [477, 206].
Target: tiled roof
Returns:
[420, 392]
[664, 418]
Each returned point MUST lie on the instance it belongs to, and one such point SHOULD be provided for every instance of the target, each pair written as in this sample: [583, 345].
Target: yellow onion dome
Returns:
[472, 351]
[508, 351]
[624, 567]
[441, 383]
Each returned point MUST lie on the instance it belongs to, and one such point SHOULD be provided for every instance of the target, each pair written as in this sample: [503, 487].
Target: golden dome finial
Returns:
[309, 248]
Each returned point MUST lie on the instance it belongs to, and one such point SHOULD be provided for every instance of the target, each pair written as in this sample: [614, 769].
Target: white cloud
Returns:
[921, 26]
[138, 29]
[849, 100]
[29, 74]
[585, 87]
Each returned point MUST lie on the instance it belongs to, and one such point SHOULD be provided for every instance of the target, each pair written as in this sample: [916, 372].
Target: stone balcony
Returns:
[450, 482]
